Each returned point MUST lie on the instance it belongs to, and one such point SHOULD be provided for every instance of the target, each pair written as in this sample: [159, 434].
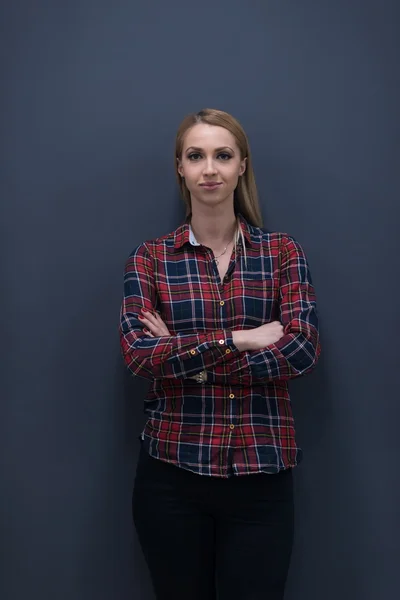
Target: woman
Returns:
[218, 315]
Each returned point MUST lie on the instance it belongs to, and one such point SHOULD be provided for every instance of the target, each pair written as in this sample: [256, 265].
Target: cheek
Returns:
[231, 175]
[191, 173]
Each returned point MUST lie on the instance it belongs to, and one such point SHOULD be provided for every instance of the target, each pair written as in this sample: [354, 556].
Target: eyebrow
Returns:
[196, 149]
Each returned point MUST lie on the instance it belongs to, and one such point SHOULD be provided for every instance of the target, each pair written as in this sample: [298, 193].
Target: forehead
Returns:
[207, 136]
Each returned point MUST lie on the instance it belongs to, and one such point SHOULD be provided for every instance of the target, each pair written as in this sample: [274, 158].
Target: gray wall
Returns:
[91, 95]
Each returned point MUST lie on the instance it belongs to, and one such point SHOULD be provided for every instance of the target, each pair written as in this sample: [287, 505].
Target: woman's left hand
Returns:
[154, 326]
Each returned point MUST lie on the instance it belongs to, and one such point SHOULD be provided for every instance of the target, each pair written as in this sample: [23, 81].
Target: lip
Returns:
[211, 185]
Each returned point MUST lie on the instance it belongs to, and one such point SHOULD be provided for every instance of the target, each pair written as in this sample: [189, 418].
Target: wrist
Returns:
[241, 339]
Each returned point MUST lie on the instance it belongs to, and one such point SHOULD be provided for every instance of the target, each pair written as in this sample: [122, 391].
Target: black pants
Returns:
[200, 534]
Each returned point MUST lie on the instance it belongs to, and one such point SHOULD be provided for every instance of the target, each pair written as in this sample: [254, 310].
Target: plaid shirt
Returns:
[240, 420]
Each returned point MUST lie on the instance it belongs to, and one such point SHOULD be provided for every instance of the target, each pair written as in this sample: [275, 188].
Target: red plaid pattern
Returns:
[240, 420]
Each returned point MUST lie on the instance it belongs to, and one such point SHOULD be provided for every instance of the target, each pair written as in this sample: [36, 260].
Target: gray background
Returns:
[91, 96]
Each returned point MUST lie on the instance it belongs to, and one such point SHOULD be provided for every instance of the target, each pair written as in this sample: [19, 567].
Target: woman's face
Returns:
[211, 164]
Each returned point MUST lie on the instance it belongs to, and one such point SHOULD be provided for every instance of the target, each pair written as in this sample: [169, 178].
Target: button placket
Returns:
[232, 426]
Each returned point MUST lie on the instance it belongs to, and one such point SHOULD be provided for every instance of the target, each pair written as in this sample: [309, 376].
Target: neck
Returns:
[214, 229]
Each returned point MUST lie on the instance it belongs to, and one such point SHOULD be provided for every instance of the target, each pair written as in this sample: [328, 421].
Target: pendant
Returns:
[217, 262]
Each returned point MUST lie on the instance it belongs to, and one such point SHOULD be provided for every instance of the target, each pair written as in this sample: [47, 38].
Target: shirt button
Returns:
[221, 342]
[231, 426]
[226, 279]
[222, 303]
[231, 396]
[227, 351]
[193, 352]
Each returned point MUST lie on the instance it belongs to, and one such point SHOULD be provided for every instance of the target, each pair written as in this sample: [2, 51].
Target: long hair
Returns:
[245, 196]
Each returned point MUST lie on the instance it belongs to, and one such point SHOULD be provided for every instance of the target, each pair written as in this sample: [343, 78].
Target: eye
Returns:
[194, 156]
[224, 156]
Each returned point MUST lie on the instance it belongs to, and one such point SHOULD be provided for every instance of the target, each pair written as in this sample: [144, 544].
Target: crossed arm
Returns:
[282, 350]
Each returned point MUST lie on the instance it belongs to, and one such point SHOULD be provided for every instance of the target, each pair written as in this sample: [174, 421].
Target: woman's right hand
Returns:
[259, 337]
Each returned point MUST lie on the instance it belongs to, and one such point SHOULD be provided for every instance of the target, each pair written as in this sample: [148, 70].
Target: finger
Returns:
[147, 313]
[158, 319]
[144, 321]
[157, 322]
[149, 316]
[154, 322]
[153, 329]
[148, 320]
[148, 333]
[149, 327]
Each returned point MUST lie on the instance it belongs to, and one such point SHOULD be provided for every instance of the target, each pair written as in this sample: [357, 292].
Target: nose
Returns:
[209, 167]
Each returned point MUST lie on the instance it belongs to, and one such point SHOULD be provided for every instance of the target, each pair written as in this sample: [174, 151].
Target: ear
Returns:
[180, 168]
[243, 166]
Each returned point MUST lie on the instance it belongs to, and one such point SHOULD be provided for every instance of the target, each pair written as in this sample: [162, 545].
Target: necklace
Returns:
[224, 250]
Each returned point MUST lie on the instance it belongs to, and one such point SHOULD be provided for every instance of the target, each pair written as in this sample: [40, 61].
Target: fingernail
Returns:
[140, 318]
[144, 310]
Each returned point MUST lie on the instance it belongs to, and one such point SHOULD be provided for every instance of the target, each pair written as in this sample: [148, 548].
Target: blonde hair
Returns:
[245, 197]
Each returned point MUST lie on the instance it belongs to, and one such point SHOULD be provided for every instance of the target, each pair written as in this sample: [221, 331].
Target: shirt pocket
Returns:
[260, 299]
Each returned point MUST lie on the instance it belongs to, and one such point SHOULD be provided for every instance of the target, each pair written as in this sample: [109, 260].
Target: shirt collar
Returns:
[184, 234]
